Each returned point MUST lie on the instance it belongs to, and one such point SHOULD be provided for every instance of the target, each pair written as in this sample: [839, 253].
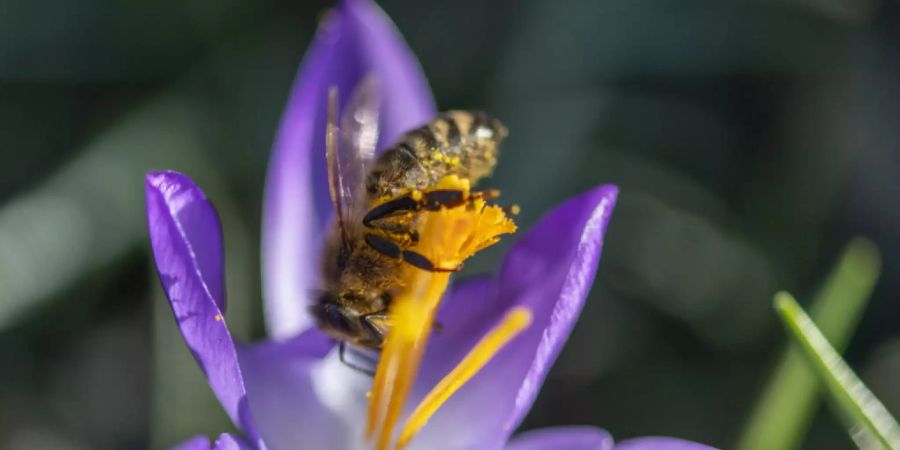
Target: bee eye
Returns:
[336, 319]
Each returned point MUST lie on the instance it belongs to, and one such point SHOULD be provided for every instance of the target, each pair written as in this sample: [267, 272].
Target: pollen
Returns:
[450, 236]
[454, 183]
[447, 237]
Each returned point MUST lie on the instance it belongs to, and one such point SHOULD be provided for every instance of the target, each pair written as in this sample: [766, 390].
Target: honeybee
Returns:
[378, 201]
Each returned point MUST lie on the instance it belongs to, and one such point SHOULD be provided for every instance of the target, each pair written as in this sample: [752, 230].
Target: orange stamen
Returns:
[447, 238]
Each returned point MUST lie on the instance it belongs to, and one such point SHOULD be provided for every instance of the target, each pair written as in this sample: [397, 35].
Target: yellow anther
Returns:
[515, 321]
[416, 195]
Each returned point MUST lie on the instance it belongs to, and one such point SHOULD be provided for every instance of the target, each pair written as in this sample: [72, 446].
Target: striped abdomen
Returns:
[455, 143]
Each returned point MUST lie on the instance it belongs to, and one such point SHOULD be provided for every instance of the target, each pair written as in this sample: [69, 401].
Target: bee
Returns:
[379, 200]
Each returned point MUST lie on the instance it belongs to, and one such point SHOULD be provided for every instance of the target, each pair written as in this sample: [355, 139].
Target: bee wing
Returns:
[349, 150]
[359, 137]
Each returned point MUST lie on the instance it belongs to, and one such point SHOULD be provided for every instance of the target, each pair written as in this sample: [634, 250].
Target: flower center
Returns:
[447, 237]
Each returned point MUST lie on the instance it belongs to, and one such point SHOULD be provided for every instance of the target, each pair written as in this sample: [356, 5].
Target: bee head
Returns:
[344, 317]
[332, 317]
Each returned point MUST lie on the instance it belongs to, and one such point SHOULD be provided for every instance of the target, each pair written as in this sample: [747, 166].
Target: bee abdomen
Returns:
[455, 143]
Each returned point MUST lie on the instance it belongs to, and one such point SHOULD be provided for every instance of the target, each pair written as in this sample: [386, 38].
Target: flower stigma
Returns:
[447, 237]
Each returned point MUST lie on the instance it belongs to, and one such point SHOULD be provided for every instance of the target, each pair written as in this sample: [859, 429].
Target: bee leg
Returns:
[387, 209]
[384, 246]
[443, 198]
[342, 350]
[419, 260]
[390, 249]
[376, 218]
[449, 198]
[431, 200]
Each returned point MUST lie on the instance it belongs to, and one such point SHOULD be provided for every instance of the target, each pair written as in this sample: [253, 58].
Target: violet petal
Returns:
[282, 395]
[660, 443]
[225, 442]
[231, 442]
[194, 443]
[469, 307]
[355, 40]
[569, 438]
[185, 236]
[550, 270]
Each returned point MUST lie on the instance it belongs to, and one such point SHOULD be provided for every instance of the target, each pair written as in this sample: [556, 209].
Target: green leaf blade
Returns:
[866, 417]
[785, 409]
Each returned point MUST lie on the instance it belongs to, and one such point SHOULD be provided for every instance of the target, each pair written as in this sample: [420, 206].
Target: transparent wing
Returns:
[335, 178]
[350, 148]
[359, 137]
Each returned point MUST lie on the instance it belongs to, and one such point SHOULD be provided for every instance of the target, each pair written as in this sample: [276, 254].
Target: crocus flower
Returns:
[291, 392]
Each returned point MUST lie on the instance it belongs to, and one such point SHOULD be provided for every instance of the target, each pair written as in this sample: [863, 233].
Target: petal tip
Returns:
[155, 177]
[660, 443]
[152, 180]
[609, 192]
[169, 182]
[604, 199]
[160, 179]
[347, 5]
[194, 443]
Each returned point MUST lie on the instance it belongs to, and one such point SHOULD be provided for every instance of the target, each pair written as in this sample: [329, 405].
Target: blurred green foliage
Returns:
[750, 139]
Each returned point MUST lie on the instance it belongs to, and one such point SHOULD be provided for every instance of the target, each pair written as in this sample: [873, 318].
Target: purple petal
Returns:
[199, 226]
[231, 442]
[660, 443]
[357, 39]
[468, 309]
[287, 404]
[406, 97]
[550, 270]
[186, 238]
[194, 443]
[563, 252]
[225, 442]
[569, 438]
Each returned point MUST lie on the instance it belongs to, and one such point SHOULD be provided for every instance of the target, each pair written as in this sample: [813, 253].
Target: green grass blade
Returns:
[868, 419]
[785, 409]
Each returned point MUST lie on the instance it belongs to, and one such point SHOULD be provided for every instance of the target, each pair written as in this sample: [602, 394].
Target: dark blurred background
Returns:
[751, 140]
